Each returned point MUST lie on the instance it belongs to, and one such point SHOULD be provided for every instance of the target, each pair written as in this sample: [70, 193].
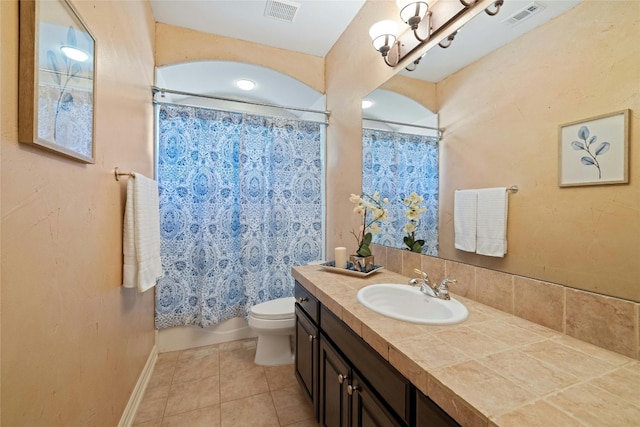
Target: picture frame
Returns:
[56, 107]
[594, 151]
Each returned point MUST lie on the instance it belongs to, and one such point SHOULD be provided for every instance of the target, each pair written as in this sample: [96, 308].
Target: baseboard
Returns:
[129, 414]
[184, 337]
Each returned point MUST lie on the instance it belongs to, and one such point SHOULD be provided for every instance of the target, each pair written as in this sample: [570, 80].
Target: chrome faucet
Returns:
[438, 291]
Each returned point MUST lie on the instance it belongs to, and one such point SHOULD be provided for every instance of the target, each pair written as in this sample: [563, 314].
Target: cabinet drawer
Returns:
[393, 388]
[307, 302]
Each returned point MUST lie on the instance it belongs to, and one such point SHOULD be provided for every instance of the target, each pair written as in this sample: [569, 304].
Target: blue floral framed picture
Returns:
[595, 151]
[57, 79]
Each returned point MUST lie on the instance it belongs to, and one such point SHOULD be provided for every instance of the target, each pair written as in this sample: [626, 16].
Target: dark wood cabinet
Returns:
[393, 389]
[366, 409]
[428, 414]
[306, 360]
[347, 381]
[335, 378]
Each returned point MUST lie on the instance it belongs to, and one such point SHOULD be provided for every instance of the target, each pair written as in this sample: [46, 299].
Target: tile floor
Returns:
[220, 386]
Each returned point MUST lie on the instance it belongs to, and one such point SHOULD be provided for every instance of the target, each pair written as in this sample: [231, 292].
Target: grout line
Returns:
[173, 382]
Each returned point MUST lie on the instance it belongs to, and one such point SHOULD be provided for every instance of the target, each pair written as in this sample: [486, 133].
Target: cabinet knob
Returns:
[311, 338]
[341, 378]
[302, 299]
[351, 389]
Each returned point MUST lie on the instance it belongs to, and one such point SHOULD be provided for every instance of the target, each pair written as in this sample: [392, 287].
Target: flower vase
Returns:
[363, 264]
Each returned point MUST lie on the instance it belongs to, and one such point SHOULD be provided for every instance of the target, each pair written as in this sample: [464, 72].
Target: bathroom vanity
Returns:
[347, 381]
[360, 368]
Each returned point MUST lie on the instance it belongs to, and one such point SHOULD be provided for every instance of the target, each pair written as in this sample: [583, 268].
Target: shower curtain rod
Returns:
[155, 89]
[439, 130]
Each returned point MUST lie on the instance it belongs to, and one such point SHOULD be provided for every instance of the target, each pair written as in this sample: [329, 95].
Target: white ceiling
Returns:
[317, 26]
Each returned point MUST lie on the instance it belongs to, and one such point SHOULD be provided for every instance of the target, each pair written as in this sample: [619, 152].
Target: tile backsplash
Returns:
[608, 322]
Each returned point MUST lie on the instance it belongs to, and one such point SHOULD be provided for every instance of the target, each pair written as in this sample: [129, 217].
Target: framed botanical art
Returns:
[57, 79]
[594, 151]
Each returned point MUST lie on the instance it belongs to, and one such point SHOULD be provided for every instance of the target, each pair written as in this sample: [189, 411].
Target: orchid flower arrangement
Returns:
[413, 212]
[372, 210]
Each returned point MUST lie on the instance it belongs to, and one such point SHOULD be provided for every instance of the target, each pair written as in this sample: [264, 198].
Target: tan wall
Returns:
[176, 44]
[74, 341]
[501, 116]
[353, 69]
[420, 91]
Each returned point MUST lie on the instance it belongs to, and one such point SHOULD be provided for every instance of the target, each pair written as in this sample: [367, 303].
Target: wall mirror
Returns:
[550, 238]
[400, 158]
[57, 68]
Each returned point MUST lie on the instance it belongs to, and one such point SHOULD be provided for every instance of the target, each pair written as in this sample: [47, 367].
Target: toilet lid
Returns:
[277, 309]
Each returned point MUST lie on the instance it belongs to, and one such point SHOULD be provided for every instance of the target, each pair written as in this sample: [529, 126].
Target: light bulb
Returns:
[245, 84]
[383, 34]
[366, 103]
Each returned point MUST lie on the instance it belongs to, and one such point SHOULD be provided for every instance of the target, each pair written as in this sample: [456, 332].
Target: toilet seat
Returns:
[277, 309]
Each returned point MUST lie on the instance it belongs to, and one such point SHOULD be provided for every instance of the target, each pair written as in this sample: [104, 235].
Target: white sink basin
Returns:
[404, 302]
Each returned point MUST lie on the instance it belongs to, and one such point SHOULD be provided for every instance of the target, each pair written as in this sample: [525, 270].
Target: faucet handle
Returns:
[424, 276]
[443, 288]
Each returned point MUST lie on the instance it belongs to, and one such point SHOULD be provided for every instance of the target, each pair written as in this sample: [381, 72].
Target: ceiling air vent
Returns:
[524, 13]
[283, 10]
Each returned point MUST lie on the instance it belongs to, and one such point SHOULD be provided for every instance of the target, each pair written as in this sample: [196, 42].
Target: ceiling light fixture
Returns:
[412, 12]
[74, 53]
[447, 42]
[383, 35]
[424, 23]
[245, 84]
[367, 103]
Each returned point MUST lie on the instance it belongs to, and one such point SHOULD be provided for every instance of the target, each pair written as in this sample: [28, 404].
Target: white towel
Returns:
[492, 221]
[141, 236]
[464, 219]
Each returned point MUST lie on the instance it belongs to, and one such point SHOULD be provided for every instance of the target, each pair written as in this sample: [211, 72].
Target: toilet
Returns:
[274, 322]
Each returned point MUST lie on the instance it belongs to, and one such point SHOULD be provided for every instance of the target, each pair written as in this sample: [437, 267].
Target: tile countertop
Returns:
[494, 369]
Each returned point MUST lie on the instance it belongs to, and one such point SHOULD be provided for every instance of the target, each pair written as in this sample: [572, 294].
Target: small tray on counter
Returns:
[350, 270]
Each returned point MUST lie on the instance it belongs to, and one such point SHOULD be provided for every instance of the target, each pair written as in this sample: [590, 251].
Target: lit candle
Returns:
[341, 257]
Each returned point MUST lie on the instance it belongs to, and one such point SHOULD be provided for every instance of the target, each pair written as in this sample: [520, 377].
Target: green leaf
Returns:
[417, 247]
[364, 251]
[367, 239]
[408, 241]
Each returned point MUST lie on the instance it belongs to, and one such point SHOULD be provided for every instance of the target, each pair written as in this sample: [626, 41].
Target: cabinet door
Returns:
[366, 409]
[334, 380]
[306, 361]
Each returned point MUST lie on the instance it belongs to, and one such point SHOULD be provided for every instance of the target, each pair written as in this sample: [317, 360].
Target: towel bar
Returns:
[118, 174]
[513, 189]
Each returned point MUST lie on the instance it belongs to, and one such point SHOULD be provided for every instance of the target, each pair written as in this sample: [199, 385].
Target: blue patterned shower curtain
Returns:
[397, 164]
[240, 204]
